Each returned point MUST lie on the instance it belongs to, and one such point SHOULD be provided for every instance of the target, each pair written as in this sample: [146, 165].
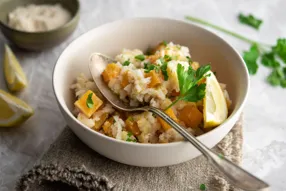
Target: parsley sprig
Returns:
[190, 89]
[269, 56]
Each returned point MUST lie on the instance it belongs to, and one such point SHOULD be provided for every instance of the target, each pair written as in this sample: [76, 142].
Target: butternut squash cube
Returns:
[98, 124]
[195, 65]
[132, 126]
[125, 80]
[107, 127]
[153, 58]
[156, 78]
[165, 125]
[84, 100]
[191, 116]
[111, 71]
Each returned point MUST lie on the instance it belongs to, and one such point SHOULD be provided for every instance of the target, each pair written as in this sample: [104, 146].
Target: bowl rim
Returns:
[233, 115]
[66, 25]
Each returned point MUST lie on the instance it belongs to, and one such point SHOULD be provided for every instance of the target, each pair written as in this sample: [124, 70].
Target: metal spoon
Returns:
[235, 174]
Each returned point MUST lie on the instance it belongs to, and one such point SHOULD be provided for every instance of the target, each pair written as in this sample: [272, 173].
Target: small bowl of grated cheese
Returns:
[34, 25]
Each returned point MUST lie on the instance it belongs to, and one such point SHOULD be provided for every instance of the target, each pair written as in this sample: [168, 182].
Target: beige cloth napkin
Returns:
[71, 165]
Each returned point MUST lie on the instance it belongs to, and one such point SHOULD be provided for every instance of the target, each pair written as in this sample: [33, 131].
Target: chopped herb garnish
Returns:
[126, 63]
[190, 90]
[250, 20]
[167, 58]
[163, 67]
[203, 187]
[140, 57]
[89, 101]
[220, 155]
[164, 43]
[189, 59]
[149, 66]
[129, 138]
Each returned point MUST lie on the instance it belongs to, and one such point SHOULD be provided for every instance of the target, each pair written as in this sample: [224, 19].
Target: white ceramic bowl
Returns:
[141, 33]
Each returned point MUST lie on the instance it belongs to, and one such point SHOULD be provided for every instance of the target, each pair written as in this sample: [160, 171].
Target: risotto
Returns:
[165, 78]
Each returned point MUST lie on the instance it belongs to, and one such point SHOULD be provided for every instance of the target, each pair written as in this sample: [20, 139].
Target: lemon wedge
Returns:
[14, 75]
[13, 110]
[215, 107]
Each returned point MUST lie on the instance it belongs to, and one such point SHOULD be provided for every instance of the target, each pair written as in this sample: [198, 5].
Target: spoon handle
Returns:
[235, 174]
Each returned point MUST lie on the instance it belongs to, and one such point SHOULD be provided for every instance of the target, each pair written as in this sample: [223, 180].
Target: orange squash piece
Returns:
[165, 125]
[191, 116]
[81, 103]
[98, 124]
[107, 126]
[111, 71]
[153, 58]
[132, 126]
[156, 78]
[125, 80]
[195, 65]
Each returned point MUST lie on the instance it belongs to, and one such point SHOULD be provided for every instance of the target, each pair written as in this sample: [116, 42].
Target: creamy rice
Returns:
[129, 79]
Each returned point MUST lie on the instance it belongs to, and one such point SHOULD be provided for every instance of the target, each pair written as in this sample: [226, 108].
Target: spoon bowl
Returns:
[97, 64]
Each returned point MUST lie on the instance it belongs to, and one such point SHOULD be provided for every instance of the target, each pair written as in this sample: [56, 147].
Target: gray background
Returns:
[265, 129]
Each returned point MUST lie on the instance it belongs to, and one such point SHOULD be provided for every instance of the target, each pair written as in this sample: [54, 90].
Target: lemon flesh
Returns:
[215, 106]
[14, 74]
[13, 110]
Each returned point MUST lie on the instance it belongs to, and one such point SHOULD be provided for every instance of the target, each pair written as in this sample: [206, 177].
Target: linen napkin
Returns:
[71, 165]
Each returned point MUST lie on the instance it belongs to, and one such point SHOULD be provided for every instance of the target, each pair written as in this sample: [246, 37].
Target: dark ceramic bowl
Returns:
[38, 40]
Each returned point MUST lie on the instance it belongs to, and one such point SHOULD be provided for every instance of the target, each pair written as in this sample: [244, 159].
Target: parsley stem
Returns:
[236, 35]
[174, 102]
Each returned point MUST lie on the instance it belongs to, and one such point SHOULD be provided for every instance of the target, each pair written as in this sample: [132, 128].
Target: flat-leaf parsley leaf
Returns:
[278, 77]
[250, 57]
[280, 49]
[268, 60]
[250, 20]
